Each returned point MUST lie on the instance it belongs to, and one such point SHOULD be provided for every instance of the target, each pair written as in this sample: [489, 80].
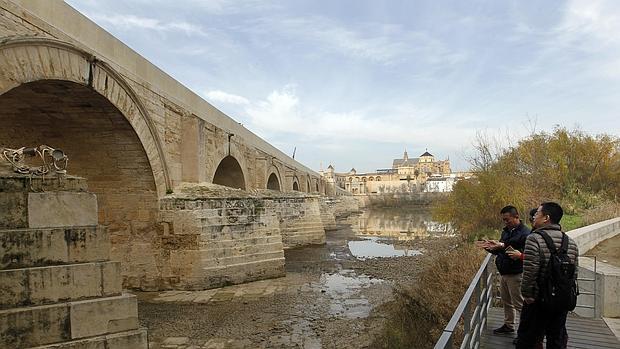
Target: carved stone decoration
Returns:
[49, 160]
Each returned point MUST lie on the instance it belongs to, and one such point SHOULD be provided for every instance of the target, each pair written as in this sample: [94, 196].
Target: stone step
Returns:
[59, 283]
[297, 240]
[135, 339]
[22, 248]
[209, 242]
[209, 262]
[219, 276]
[14, 182]
[48, 324]
[232, 250]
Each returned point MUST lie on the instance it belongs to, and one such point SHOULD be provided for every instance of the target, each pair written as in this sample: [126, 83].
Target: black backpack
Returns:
[557, 286]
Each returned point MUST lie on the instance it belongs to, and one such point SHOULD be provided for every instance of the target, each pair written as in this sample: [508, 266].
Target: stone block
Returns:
[230, 274]
[43, 285]
[122, 340]
[11, 213]
[27, 327]
[104, 315]
[15, 198]
[48, 324]
[61, 209]
[22, 248]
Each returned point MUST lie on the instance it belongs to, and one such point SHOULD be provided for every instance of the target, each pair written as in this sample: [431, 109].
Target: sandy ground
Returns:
[608, 251]
[329, 299]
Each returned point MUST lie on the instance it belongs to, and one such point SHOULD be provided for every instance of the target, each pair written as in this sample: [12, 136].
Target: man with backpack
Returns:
[549, 285]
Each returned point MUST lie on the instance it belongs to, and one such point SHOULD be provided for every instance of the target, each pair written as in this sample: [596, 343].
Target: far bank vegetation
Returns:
[578, 170]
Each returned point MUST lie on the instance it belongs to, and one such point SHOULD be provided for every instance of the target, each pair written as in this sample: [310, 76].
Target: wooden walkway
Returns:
[583, 333]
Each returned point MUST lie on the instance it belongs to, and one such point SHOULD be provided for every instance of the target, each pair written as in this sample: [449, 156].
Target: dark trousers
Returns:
[536, 323]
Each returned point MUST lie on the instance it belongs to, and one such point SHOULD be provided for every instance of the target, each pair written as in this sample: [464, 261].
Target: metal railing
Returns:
[472, 311]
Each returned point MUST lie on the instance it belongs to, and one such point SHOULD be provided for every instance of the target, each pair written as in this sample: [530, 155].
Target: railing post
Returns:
[596, 313]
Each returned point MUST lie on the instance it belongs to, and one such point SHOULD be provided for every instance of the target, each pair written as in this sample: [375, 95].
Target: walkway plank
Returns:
[583, 333]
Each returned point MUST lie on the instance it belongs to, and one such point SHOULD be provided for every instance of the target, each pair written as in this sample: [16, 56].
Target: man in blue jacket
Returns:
[511, 270]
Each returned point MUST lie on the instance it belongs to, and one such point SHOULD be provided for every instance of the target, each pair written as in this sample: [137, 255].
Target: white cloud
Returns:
[599, 19]
[282, 113]
[132, 22]
[224, 97]
[377, 42]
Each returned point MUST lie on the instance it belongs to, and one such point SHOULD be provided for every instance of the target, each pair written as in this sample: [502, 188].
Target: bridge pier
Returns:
[215, 236]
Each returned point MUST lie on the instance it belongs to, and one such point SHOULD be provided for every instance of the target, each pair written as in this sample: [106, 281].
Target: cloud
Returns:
[224, 97]
[132, 22]
[281, 113]
[214, 7]
[376, 42]
[599, 19]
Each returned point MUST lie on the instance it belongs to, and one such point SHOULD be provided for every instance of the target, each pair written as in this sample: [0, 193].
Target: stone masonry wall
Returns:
[328, 216]
[231, 236]
[58, 285]
[228, 237]
[300, 219]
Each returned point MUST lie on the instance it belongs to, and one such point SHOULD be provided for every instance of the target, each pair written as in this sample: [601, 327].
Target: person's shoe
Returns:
[503, 330]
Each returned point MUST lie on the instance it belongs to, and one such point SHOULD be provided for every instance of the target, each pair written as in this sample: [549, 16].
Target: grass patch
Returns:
[571, 221]
[420, 312]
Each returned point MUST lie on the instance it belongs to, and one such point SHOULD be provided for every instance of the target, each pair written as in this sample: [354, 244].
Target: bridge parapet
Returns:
[606, 284]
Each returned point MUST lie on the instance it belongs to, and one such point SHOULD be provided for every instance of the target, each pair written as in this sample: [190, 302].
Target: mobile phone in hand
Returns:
[509, 248]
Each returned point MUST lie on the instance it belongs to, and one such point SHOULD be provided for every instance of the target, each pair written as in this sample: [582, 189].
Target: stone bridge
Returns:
[162, 161]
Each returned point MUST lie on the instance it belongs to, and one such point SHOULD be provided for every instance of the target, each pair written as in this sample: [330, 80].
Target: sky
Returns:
[353, 83]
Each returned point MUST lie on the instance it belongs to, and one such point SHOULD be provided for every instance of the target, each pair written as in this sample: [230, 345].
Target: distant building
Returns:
[406, 175]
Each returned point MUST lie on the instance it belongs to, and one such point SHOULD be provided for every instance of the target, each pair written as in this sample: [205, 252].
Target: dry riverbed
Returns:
[328, 299]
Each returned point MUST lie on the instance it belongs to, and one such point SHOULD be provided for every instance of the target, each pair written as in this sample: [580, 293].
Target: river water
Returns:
[389, 232]
[331, 295]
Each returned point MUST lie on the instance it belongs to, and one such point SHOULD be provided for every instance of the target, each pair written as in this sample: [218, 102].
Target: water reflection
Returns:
[343, 288]
[399, 224]
[375, 247]
[387, 232]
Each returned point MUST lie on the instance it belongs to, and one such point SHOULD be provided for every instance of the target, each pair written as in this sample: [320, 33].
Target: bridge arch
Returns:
[54, 93]
[229, 173]
[273, 179]
[30, 59]
[295, 185]
[273, 183]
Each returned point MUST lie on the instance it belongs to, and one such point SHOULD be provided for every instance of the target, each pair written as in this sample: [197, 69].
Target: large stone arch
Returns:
[29, 59]
[229, 173]
[53, 92]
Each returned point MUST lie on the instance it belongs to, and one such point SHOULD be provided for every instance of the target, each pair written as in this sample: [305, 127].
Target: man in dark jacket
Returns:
[536, 320]
[513, 238]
